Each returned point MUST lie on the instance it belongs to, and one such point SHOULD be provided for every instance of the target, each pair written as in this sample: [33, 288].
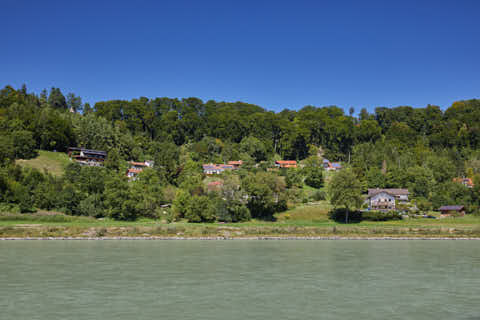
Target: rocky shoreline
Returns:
[239, 238]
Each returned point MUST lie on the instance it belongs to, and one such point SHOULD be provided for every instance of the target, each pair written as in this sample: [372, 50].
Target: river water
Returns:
[337, 279]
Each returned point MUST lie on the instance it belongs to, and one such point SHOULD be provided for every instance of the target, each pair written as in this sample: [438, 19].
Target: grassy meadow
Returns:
[53, 162]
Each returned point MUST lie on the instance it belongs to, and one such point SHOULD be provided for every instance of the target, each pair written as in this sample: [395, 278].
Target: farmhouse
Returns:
[452, 210]
[137, 167]
[385, 199]
[88, 157]
[286, 163]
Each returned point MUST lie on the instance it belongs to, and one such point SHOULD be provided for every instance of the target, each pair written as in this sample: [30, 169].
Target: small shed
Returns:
[452, 210]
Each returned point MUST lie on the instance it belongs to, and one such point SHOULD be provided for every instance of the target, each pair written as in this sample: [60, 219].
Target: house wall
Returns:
[382, 199]
[402, 197]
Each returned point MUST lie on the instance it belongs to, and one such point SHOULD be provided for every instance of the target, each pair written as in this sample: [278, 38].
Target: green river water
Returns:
[244, 279]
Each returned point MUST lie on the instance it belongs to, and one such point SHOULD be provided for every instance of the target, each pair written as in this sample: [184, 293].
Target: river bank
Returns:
[58, 226]
[240, 238]
[275, 231]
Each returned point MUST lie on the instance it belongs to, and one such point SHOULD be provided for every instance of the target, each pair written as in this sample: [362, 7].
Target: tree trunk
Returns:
[346, 216]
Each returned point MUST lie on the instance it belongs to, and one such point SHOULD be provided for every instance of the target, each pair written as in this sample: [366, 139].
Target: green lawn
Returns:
[53, 162]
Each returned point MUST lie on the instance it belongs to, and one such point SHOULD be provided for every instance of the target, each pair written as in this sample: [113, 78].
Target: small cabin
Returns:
[457, 210]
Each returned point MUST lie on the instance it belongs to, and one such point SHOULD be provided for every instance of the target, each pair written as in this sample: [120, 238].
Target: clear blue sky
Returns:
[277, 54]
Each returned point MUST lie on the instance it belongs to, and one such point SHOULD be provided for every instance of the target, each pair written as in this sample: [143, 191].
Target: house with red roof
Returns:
[137, 167]
[467, 182]
[286, 163]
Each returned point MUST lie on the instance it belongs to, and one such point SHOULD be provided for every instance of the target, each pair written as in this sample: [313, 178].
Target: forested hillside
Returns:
[421, 149]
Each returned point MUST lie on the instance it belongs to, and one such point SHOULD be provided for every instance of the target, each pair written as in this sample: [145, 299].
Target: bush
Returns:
[380, 216]
[319, 195]
[314, 177]
[200, 209]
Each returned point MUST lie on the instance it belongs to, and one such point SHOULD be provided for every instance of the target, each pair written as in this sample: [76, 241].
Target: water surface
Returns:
[239, 280]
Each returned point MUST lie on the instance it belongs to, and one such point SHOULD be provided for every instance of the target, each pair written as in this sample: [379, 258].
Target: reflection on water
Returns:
[239, 280]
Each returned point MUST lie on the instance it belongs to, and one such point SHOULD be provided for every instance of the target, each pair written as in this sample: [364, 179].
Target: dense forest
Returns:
[422, 149]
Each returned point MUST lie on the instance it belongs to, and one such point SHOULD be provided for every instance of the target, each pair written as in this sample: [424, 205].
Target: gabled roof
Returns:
[393, 192]
[286, 162]
[215, 183]
[99, 152]
[142, 164]
[222, 167]
[238, 163]
[452, 208]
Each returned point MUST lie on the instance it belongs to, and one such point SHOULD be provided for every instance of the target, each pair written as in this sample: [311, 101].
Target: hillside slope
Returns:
[53, 162]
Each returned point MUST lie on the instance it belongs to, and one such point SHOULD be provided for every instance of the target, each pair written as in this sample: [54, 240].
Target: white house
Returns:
[384, 199]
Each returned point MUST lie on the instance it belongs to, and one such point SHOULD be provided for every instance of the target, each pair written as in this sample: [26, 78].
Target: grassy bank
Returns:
[305, 221]
[53, 162]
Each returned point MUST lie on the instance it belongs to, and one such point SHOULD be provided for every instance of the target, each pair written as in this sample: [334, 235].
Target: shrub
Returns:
[319, 195]
[380, 216]
[200, 209]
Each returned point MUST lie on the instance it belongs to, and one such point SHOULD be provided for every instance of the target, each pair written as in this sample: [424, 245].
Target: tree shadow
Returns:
[339, 215]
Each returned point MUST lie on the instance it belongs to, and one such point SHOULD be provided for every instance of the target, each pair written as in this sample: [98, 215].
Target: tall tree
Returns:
[345, 190]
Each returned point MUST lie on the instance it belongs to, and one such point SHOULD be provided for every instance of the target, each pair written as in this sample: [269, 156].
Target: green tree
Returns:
[200, 209]
[254, 148]
[24, 144]
[345, 190]
[118, 202]
[7, 150]
[313, 172]
[56, 99]
[74, 102]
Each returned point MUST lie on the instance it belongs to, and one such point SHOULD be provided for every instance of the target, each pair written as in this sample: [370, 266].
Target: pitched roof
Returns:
[451, 208]
[394, 192]
[215, 183]
[100, 152]
[212, 166]
[286, 162]
[143, 164]
[239, 162]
